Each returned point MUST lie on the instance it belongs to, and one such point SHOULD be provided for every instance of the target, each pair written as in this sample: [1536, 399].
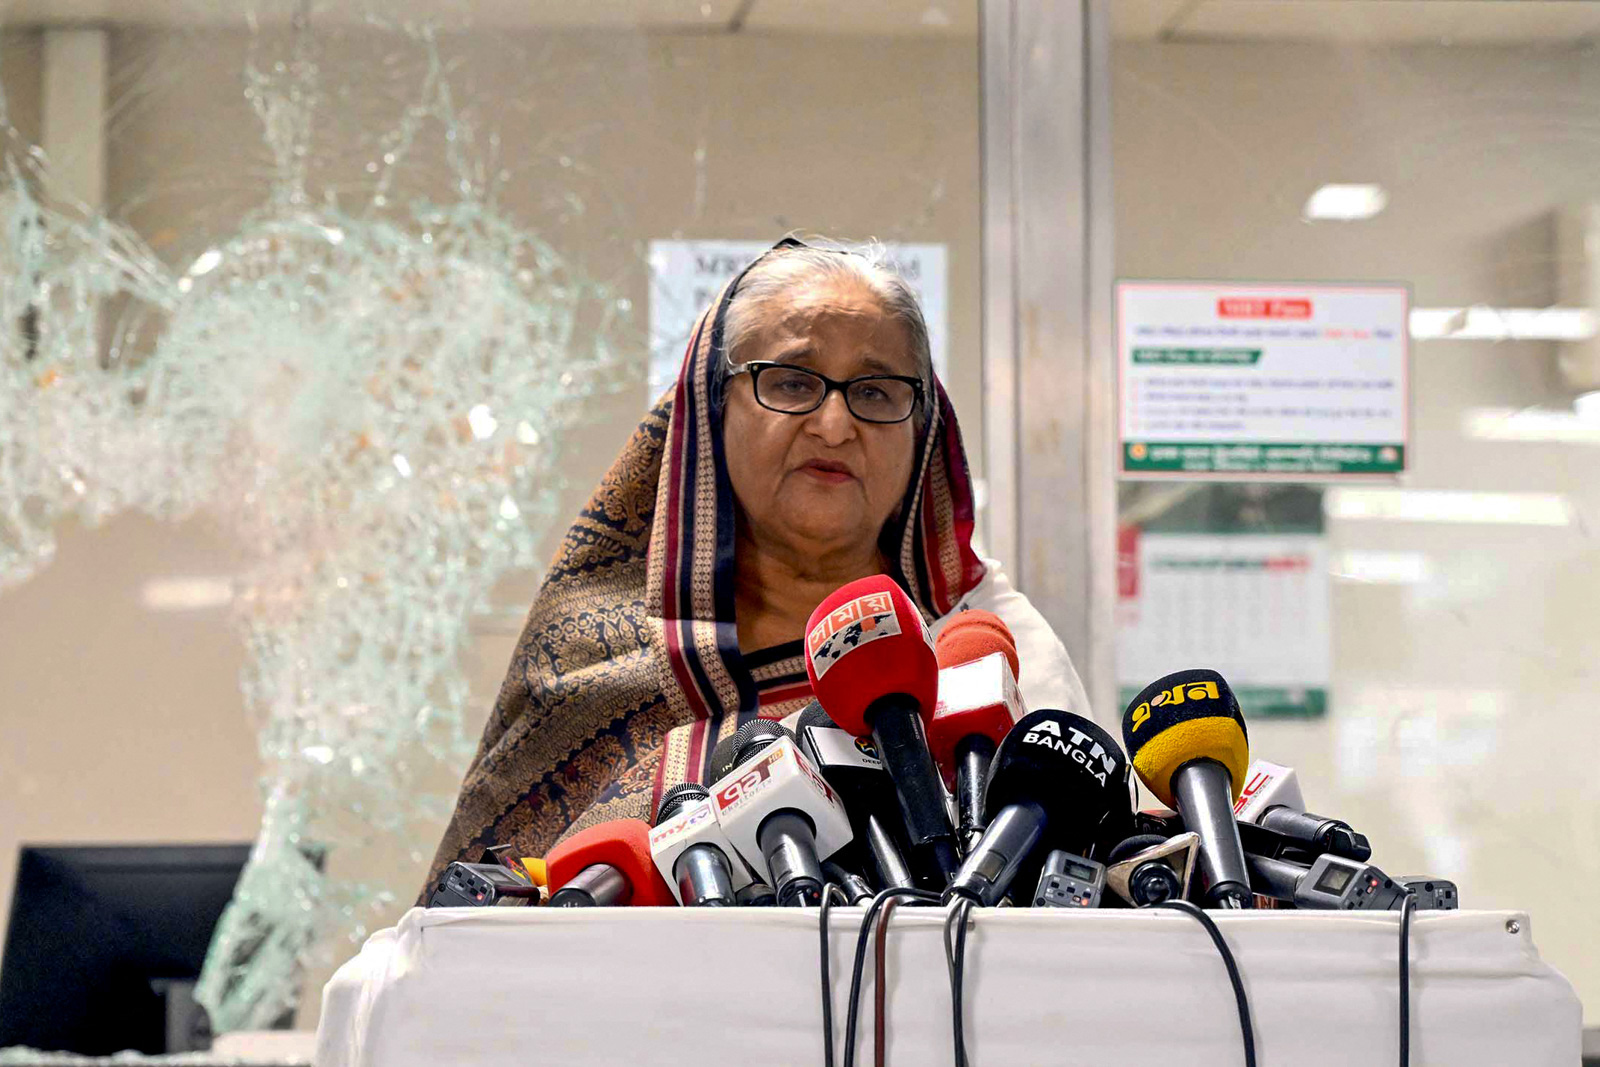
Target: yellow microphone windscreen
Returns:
[1183, 717]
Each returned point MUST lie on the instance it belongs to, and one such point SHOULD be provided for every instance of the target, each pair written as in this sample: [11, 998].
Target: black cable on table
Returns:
[955, 954]
[1407, 906]
[858, 971]
[829, 891]
[1205, 920]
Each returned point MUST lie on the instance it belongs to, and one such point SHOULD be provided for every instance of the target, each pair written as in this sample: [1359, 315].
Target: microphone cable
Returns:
[857, 972]
[1407, 905]
[880, 984]
[955, 954]
[1228, 961]
[829, 892]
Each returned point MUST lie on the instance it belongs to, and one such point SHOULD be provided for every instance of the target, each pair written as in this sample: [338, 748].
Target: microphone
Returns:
[777, 811]
[607, 865]
[1058, 782]
[1271, 799]
[756, 895]
[851, 765]
[1317, 833]
[723, 757]
[973, 634]
[1148, 869]
[1186, 737]
[691, 851]
[1267, 785]
[1331, 883]
[854, 886]
[978, 704]
[872, 666]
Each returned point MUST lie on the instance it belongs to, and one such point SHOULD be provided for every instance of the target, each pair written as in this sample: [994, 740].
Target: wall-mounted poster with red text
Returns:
[1243, 380]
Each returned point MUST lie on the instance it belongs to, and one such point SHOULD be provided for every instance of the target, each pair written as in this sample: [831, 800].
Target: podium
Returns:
[735, 987]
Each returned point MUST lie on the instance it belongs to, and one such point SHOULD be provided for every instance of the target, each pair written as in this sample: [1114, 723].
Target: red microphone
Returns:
[605, 866]
[873, 670]
[978, 704]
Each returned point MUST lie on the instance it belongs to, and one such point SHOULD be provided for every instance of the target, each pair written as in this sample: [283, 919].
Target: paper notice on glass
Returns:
[685, 276]
[1241, 380]
[1253, 606]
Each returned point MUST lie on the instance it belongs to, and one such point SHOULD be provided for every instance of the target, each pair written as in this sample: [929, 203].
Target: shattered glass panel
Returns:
[370, 401]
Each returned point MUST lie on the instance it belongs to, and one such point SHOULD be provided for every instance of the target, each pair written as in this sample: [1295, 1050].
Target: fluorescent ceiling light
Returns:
[1502, 324]
[1530, 424]
[1382, 568]
[1448, 505]
[186, 594]
[1587, 406]
[1346, 203]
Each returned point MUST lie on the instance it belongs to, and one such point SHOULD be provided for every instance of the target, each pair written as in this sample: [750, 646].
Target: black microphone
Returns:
[1186, 737]
[851, 765]
[756, 895]
[1317, 833]
[854, 886]
[1331, 882]
[1057, 782]
[723, 757]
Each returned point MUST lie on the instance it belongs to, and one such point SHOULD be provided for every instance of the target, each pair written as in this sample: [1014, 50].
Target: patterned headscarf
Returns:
[628, 671]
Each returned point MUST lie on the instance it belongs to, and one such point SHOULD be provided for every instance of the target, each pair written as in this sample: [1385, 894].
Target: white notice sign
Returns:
[685, 276]
[1238, 379]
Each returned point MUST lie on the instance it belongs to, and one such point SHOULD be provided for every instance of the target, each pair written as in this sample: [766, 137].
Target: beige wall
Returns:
[123, 725]
[20, 55]
[1462, 728]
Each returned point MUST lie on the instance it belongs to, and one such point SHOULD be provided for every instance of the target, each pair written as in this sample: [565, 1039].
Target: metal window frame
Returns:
[1048, 363]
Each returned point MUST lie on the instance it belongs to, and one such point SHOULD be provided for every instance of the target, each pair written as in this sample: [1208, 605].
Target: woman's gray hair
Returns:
[783, 271]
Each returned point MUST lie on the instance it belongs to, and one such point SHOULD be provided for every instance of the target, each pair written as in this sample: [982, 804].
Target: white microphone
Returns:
[699, 863]
[1267, 785]
[779, 813]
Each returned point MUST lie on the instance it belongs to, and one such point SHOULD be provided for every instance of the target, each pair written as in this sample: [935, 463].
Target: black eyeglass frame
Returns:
[756, 366]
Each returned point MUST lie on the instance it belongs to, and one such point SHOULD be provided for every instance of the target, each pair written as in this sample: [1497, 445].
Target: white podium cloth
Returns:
[710, 987]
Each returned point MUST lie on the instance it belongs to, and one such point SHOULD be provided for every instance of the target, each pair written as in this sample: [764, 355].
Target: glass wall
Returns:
[1421, 648]
[324, 319]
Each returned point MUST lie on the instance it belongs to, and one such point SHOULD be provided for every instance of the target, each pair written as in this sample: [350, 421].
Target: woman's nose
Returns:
[832, 421]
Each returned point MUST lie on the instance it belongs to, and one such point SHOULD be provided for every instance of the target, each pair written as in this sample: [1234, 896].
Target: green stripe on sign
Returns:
[1212, 457]
[1234, 357]
[1266, 702]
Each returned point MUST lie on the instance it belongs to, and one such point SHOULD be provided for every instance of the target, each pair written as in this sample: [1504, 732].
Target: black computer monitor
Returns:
[105, 942]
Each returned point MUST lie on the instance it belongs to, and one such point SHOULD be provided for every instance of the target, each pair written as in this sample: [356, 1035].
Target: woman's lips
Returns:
[829, 473]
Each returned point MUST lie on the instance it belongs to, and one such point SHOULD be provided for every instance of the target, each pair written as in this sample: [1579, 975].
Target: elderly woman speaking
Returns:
[806, 444]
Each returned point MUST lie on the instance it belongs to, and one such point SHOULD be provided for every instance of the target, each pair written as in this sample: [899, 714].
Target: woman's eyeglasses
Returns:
[882, 398]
